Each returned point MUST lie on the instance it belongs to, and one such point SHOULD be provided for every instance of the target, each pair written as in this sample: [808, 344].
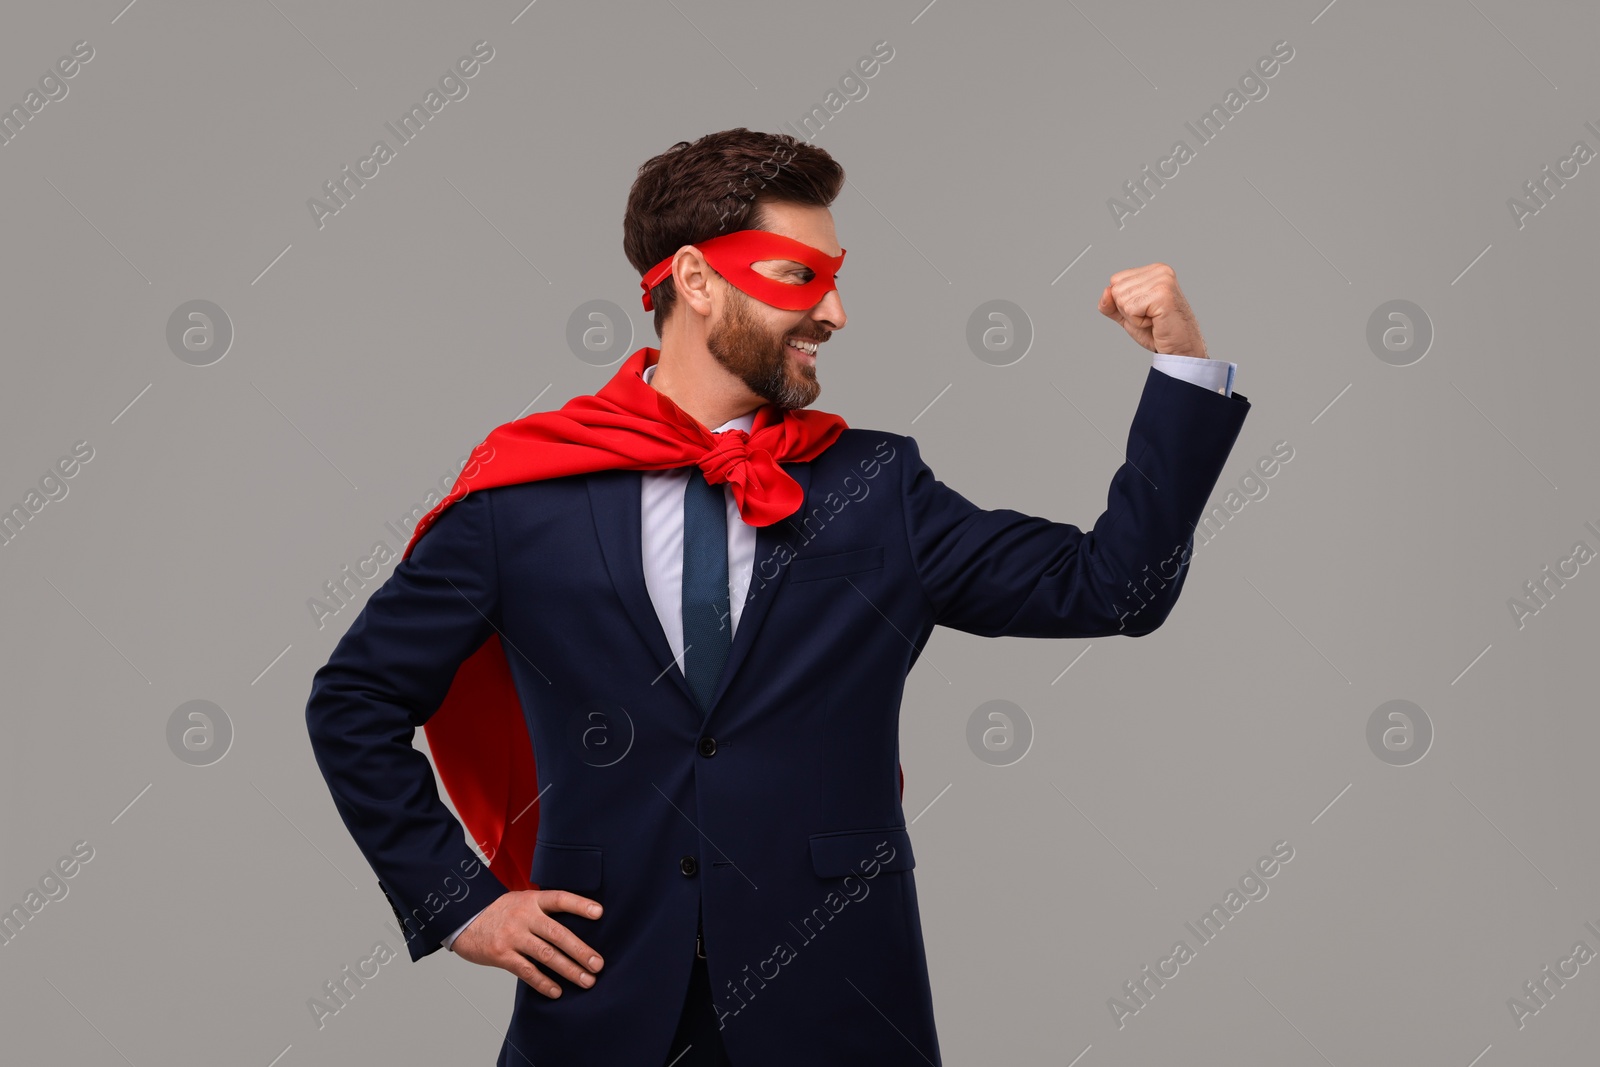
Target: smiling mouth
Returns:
[806, 350]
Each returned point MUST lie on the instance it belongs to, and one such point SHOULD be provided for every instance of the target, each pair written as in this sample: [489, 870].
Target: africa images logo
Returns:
[453, 86]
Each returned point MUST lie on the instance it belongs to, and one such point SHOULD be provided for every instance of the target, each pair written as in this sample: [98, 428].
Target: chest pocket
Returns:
[861, 852]
[815, 568]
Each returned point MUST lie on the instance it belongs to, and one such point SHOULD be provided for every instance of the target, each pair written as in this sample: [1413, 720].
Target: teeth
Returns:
[805, 346]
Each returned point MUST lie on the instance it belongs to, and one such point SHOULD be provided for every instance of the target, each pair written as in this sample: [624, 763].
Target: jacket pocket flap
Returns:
[861, 852]
[571, 867]
[810, 568]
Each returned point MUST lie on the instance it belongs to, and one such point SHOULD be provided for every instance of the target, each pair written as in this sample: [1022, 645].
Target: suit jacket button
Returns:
[688, 865]
[708, 746]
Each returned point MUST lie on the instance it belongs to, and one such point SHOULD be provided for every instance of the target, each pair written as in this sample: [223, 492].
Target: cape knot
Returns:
[728, 457]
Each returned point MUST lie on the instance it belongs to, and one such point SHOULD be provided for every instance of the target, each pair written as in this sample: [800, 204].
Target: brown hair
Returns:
[693, 192]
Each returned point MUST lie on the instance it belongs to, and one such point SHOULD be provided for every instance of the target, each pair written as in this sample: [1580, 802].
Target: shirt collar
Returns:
[743, 422]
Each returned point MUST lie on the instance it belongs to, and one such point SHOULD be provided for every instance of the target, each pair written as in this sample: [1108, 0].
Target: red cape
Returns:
[478, 736]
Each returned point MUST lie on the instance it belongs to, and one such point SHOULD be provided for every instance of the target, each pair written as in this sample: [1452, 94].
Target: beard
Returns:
[760, 358]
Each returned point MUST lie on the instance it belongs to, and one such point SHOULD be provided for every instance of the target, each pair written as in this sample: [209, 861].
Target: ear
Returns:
[693, 278]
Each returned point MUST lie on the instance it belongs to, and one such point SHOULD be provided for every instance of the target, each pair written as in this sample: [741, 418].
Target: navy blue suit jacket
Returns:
[777, 814]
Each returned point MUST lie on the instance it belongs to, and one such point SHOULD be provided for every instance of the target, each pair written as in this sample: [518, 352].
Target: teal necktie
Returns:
[707, 618]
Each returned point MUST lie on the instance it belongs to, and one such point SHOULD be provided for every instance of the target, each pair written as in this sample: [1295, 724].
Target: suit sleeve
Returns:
[1002, 573]
[386, 677]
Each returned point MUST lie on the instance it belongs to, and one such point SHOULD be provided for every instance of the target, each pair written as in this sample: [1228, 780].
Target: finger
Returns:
[1139, 305]
[1152, 293]
[1108, 306]
[546, 928]
[1131, 295]
[1149, 270]
[550, 958]
[559, 900]
[536, 979]
[1132, 312]
[1157, 301]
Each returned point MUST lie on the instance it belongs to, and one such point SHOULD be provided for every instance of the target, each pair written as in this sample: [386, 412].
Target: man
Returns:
[725, 876]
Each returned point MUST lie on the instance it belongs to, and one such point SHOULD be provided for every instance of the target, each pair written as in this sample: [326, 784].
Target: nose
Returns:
[830, 310]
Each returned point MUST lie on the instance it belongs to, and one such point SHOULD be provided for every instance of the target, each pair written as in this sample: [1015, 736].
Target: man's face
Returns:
[753, 339]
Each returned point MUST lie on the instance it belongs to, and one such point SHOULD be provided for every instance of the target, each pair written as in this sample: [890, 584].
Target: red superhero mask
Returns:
[732, 255]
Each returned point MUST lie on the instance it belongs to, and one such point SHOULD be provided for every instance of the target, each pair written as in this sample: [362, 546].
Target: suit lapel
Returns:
[759, 598]
[615, 499]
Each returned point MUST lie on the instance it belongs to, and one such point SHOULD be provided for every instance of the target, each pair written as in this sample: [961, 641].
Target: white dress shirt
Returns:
[661, 529]
[661, 521]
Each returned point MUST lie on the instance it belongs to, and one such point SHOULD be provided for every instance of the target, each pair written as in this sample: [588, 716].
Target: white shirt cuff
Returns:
[1212, 374]
[452, 938]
